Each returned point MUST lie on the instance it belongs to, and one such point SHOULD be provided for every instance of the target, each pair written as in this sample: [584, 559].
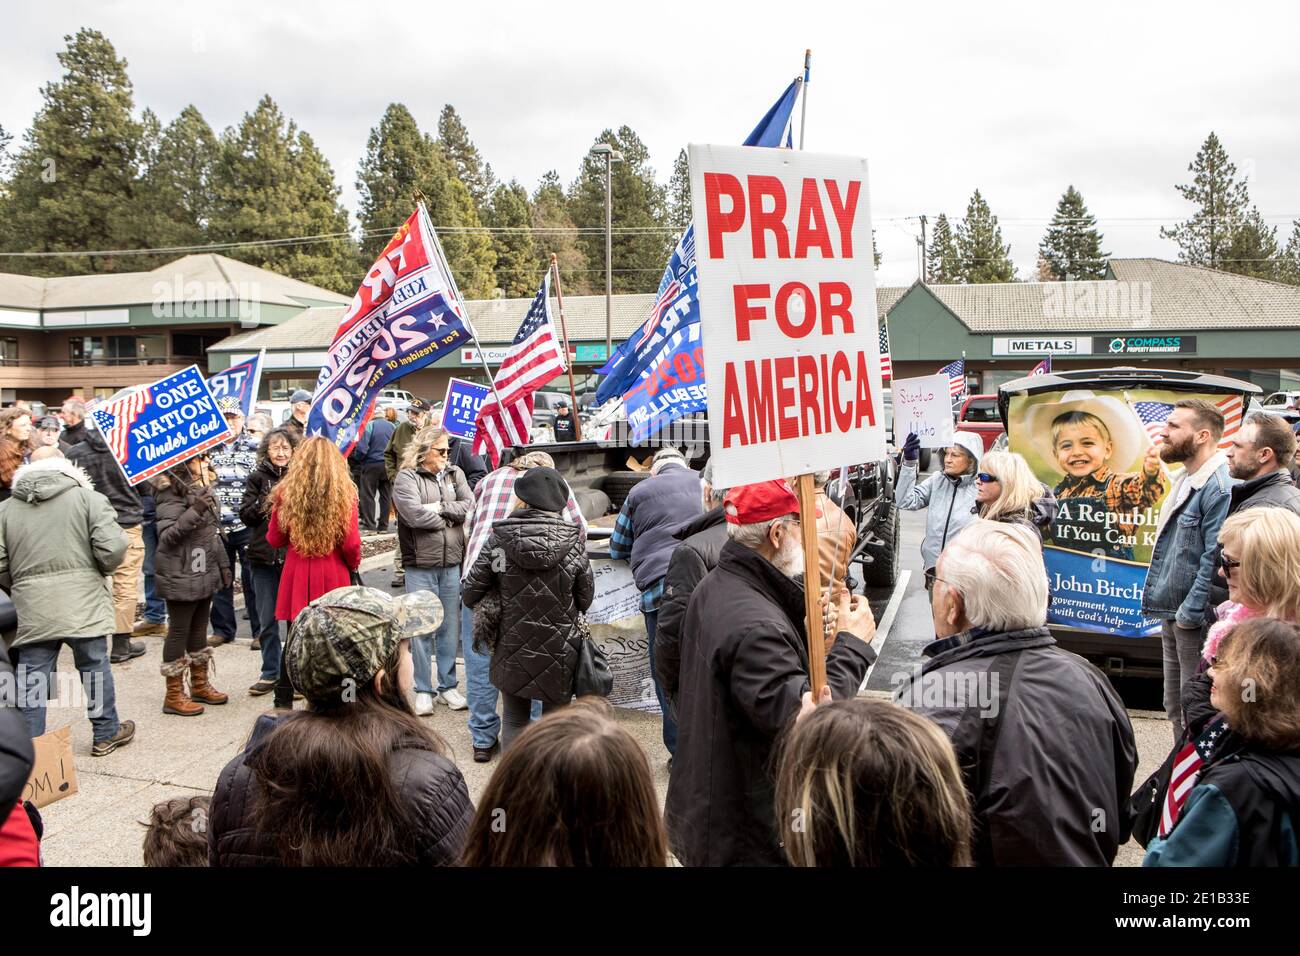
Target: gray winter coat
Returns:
[948, 505]
[59, 539]
[191, 561]
[432, 537]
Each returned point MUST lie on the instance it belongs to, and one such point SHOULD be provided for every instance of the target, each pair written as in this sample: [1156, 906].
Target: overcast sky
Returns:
[1017, 99]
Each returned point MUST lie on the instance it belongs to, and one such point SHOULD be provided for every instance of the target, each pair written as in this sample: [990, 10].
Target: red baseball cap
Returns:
[750, 504]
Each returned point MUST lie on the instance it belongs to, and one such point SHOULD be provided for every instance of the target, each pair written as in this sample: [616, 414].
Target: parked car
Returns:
[279, 411]
[393, 398]
[979, 414]
[1280, 400]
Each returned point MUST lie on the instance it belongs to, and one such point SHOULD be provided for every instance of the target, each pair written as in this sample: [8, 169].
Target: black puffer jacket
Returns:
[1045, 746]
[93, 457]
[431, 783]
[545, 582]
[191, 562]
[255, 512]
[702, 538]
[16, 754]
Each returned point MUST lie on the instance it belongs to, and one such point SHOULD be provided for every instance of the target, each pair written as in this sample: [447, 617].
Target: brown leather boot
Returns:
[200, 689]
[177, 701]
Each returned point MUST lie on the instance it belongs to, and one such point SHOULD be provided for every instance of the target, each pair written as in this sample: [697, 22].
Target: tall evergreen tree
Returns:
[5, 139]
[1253, 249]
[942, 262]
[399, 159]
[553, 232]
[1291, 257]
[468, 162]
[176, 189]
[1071, 248]
[979, 245]
[1221, 200]
[642, 232]
[73, 184]
[271, 182]
[679, 194]
[511, 219]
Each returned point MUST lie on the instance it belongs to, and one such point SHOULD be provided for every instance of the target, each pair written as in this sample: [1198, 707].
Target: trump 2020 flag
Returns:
[659, 371]
[406, 315]
[240, 381]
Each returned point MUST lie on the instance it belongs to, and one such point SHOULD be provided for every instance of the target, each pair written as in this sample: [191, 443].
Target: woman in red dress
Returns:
[314, 515]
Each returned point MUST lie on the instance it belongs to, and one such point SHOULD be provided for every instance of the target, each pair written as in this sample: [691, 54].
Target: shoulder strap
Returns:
[1003, 671]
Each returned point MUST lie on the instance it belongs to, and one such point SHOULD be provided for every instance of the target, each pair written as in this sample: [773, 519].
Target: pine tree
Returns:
[1221, 200]
[511, 219]
[5, 139]
[1072, 246]
[176, 189]
[467, 161]
[942, 263]
[271, 182]
[1291, 257]
[553, 232]
[679, 194]
[400, 159]
[980, 250]
[642, 233]
[73, 184]
[1253, 249]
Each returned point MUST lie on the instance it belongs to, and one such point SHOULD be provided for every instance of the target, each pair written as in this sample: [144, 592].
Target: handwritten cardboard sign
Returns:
[54, 774]
[922, 408]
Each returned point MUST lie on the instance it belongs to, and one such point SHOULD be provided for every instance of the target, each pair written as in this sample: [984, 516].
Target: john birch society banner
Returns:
[1098, 450]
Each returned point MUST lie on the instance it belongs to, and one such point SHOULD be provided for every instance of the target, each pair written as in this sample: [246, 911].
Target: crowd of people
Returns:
[1000, 748]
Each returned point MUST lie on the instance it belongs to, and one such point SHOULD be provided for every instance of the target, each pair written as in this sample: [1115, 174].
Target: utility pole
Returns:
[611, 156]
[925, 275]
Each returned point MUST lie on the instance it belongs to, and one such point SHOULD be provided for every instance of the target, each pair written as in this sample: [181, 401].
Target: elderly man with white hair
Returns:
[744, 678]
[1044, 742]
[643, 536]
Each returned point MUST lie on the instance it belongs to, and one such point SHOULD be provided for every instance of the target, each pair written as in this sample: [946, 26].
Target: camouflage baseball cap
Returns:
[343, 638]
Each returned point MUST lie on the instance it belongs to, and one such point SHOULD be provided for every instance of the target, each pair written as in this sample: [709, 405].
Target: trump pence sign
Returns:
[787, 310]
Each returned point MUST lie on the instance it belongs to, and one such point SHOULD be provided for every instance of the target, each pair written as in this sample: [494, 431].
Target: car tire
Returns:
[617, 485]
[881, 571]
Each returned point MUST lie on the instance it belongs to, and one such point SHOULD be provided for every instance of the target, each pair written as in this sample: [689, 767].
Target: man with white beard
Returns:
[744, 677]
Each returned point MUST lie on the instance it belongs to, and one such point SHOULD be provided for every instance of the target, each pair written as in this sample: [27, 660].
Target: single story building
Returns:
[89, 336]
[1145, 312]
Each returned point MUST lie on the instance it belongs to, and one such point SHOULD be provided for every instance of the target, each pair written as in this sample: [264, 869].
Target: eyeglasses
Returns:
[441, 451]
[985, 477]
[1229, 565]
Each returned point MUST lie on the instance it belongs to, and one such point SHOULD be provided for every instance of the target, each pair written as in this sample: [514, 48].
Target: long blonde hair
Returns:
[418, 449]
[1267, 543]
[1020, 489]
[315, 498]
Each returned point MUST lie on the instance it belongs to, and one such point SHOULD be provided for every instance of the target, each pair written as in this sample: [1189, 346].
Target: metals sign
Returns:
[1069, 345]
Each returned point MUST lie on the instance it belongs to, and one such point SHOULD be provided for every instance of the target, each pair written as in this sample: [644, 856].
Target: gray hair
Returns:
[74, 407]
[756, 534]
[424, 440]
[664, 457]
[821, 477]
[998, 570]
[716, 494]
[259, 420]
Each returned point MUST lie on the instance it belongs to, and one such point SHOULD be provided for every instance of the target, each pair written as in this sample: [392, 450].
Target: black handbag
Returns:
[591, 676]
[1148, 801]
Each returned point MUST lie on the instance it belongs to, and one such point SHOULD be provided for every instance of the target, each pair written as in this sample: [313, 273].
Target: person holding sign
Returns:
[744, 675]
[948, 496]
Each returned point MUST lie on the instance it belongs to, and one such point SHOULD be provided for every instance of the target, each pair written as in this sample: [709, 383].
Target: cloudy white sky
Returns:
[1017, 99]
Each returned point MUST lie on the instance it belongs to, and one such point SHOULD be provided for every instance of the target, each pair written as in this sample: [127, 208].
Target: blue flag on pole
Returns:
[240, 381]
[659, 371]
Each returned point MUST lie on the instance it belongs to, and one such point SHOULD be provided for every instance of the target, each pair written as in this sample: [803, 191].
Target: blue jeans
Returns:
[155, 608]
[266, 588]
[484, 724]
[670, 726]
[445, 583]
[223, 602]
[90, 655]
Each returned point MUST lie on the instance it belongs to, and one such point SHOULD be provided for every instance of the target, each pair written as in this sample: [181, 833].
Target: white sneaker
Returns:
[453, 698]
[423, 705]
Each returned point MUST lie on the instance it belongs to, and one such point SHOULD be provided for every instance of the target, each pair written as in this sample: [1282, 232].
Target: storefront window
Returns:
[8, 351]
[117, 350]
[283, 388]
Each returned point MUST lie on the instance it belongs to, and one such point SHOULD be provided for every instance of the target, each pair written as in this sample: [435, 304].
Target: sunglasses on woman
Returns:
[986, 478]
[1229, 565]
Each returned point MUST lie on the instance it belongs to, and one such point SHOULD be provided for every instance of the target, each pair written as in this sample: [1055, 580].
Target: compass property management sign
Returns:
[1144, 345]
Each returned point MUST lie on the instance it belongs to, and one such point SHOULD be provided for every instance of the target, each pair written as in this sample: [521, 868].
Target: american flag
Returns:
[1154, 414]
[886, 364]
[1042, 368]
[956, 372]
[666, 298]
[534, 359]
[114, 420]
[1187, 767]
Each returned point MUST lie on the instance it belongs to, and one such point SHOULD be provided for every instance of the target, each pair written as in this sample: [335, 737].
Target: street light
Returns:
[612, 156]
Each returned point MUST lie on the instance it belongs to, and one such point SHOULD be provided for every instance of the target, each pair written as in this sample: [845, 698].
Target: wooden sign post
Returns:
[812, 580]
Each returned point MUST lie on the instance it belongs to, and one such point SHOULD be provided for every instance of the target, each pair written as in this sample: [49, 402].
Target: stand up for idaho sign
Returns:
[787, 310]
[159, 425]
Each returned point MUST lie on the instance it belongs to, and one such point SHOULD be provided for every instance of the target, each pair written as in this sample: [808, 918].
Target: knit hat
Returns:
[542, 488]
[340, 641]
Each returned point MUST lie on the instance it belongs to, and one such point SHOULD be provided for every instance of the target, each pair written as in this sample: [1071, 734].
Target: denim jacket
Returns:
[1182, 562]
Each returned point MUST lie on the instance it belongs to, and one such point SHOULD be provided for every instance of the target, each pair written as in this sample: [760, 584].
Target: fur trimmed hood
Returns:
[40, 481]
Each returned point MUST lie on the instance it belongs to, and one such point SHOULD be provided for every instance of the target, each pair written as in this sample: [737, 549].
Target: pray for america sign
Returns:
[787, 311]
